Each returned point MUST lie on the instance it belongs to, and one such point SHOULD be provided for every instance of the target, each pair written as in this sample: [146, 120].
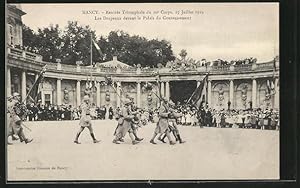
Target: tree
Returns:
[29, 37]
[49, 43]
[77, 44]
[134, 50]
[74, 43]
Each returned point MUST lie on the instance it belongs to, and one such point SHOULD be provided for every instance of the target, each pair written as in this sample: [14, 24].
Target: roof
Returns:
[114, 63]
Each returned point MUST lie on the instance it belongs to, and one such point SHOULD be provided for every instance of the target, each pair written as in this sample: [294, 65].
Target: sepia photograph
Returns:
[142, 91]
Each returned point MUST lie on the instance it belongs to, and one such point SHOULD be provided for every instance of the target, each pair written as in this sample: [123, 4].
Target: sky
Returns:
[225, 31]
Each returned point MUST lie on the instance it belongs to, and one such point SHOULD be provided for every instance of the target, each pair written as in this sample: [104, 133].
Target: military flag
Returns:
[97, 47]
[199, 95]
[34, 93]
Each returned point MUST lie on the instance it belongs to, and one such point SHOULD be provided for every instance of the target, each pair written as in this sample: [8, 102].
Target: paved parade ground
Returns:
[209, 153]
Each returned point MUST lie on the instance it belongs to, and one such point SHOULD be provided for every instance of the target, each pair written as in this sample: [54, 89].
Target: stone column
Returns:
[231, 91]
[167, 90]
[276, 96]
[157, 93]
[254, 93]
[209, 93]
[162, 89]
[78, 97]
[119, 94]
[98, 95]
[138, 92]
[8, 89]
[58, 90]
[43, 97]
[23, 85]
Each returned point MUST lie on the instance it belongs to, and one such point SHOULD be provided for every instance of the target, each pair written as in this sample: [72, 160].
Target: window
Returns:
[11, 35]
[47, 99]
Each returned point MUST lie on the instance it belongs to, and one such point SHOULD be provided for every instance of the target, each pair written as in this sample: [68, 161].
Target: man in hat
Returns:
[163, 123]
[85, 120]
[14, 119]
[125, 122]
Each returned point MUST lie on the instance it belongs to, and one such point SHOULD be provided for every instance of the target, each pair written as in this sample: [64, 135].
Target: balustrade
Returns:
[221, 68]
[31, 57]
[243, 67]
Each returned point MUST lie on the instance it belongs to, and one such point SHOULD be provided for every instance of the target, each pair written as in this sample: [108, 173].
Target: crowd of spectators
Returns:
[189, 115]
[249, 118]
[49, 112]
[191, 64]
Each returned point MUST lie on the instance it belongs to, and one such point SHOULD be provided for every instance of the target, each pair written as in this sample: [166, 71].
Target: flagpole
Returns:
[91, 51]
[35, 82]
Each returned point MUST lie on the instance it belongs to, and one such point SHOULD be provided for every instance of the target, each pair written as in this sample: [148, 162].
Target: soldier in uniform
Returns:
[125, 124]
[14, 120]
[172, 124]
[85, 120]
[10, 103]
[163, 123]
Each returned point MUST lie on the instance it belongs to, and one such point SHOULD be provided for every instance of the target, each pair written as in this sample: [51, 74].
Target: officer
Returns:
[85, 120]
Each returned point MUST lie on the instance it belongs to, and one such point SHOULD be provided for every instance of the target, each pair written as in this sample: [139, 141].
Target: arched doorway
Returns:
[181, 91]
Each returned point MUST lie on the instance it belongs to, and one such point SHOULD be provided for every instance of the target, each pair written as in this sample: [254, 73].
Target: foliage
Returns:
[73, 44]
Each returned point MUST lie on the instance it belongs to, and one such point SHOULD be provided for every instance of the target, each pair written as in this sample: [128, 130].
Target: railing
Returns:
[31, 57]
[221, 68]
[129, 70]
[148, 70]
[51, 66]
[24, 54]
[268, 65]
[69, 68]
[15, 51]
[247, 67]
[108, 69]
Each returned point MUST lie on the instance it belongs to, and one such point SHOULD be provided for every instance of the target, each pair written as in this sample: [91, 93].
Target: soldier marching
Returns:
[127, 124]
[85, 120]
[15, 115]
[162, 126]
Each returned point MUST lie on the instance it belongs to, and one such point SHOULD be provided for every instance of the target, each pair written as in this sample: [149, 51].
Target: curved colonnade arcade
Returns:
[65, 84]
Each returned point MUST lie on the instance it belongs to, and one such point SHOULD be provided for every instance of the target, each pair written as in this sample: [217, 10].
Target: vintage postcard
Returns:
[145, 91]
